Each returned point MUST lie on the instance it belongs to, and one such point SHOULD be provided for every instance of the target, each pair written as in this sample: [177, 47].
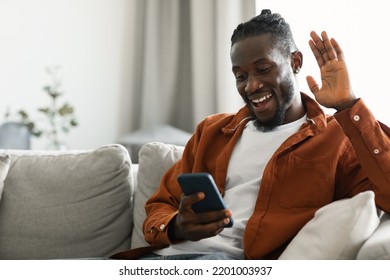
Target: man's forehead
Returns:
[253, 48]
[255, 42]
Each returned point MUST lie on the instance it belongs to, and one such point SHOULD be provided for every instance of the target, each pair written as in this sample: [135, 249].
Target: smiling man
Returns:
[265, 79]
[277, 160]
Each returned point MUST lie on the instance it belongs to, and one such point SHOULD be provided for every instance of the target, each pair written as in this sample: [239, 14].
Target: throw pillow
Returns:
[154, 160]
[337, 231]
[4, 166]
[66, 204]
[377, 247]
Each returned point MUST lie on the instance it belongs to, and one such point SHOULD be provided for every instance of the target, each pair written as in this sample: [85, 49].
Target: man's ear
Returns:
[296, 61]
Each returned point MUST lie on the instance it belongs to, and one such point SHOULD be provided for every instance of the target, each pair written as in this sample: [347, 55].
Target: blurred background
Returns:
[158, 67]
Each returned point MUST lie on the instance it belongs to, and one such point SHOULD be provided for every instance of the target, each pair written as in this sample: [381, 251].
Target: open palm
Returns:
[335, 91]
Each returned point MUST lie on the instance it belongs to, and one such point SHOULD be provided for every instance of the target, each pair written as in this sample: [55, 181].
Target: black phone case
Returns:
[203, 182]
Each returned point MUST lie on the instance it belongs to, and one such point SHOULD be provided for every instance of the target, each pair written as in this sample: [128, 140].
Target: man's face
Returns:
[265, 80]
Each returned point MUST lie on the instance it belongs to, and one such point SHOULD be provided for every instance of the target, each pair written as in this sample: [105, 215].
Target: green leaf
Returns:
[30, 126]
[44, 110]
[52, 91]
[47, 89]
[66, 109]
[37, 133]
[23, 114]
[55, 94]
[73, 122]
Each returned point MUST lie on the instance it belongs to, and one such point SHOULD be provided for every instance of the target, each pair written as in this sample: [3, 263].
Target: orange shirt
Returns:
[329, 158]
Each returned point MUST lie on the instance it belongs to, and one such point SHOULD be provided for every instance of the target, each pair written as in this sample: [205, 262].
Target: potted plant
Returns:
[57, 117]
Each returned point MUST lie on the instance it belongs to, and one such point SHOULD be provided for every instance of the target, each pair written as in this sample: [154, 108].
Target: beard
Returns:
[280, 114]
[276, 121]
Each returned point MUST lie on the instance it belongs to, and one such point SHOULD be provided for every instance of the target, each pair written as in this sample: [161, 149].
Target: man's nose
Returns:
[253, 84]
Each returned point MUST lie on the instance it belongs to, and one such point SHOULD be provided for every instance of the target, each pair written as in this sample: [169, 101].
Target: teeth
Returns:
[262, 99]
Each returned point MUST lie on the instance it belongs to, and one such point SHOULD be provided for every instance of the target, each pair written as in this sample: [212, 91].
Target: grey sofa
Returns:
[88, 204]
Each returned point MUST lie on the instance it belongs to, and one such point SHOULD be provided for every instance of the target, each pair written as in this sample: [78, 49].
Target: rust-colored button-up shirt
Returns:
[329, 158]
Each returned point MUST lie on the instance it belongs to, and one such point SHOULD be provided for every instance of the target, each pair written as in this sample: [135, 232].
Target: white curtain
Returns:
[182, 70]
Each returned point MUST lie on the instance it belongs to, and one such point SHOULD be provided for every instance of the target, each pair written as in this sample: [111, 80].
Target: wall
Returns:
[91, 41]
[359, 28]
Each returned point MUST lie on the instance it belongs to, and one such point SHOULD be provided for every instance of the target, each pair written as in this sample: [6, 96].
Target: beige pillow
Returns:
[337, 231]
[4, 167]
[154, 160]
[72, 204]
[377, 247]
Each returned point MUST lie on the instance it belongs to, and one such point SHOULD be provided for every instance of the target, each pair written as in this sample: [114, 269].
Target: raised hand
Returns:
[335, 91]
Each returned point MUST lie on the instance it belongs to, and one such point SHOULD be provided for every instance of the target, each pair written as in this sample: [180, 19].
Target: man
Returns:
[278, 159]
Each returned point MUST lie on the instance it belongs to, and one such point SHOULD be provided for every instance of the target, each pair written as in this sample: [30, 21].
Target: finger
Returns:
[215, 216]
[195, 230]
[199, 232]
[211, 229]
[313, 86]
[317, 54]
[330, 51]
[320, 46]
[338, 50]
[187, 201]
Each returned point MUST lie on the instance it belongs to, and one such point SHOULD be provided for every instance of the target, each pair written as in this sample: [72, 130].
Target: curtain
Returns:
[182, 70]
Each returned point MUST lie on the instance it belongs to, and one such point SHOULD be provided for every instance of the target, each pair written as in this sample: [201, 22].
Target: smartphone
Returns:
[191, 183]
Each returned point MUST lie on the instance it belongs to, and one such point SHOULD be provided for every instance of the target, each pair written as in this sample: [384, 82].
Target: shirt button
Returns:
[356, 118]
[162, 226]
[376, 151]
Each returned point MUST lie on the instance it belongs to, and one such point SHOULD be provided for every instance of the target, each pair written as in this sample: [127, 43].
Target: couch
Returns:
[89, 204]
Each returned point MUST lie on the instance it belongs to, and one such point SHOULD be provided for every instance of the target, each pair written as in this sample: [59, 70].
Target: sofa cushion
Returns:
[377, 247]
[337, 231]
[154, 160]
[4, 167]
[68, 204]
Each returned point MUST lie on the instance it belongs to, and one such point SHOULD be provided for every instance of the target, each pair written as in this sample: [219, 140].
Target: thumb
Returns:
[313, 86]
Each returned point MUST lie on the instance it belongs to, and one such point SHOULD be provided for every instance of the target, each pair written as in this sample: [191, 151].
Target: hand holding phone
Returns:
[191, 183]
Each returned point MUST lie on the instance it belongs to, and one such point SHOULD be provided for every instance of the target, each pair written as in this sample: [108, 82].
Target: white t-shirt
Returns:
[249, 158]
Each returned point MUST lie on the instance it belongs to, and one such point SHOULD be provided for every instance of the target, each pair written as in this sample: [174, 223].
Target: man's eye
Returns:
[240, 77]
[263, 70]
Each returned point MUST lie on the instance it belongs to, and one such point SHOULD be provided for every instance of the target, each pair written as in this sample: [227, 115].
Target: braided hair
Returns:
[267, 22]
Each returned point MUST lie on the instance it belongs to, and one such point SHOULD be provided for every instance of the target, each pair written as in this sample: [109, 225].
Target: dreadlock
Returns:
[267, 22]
